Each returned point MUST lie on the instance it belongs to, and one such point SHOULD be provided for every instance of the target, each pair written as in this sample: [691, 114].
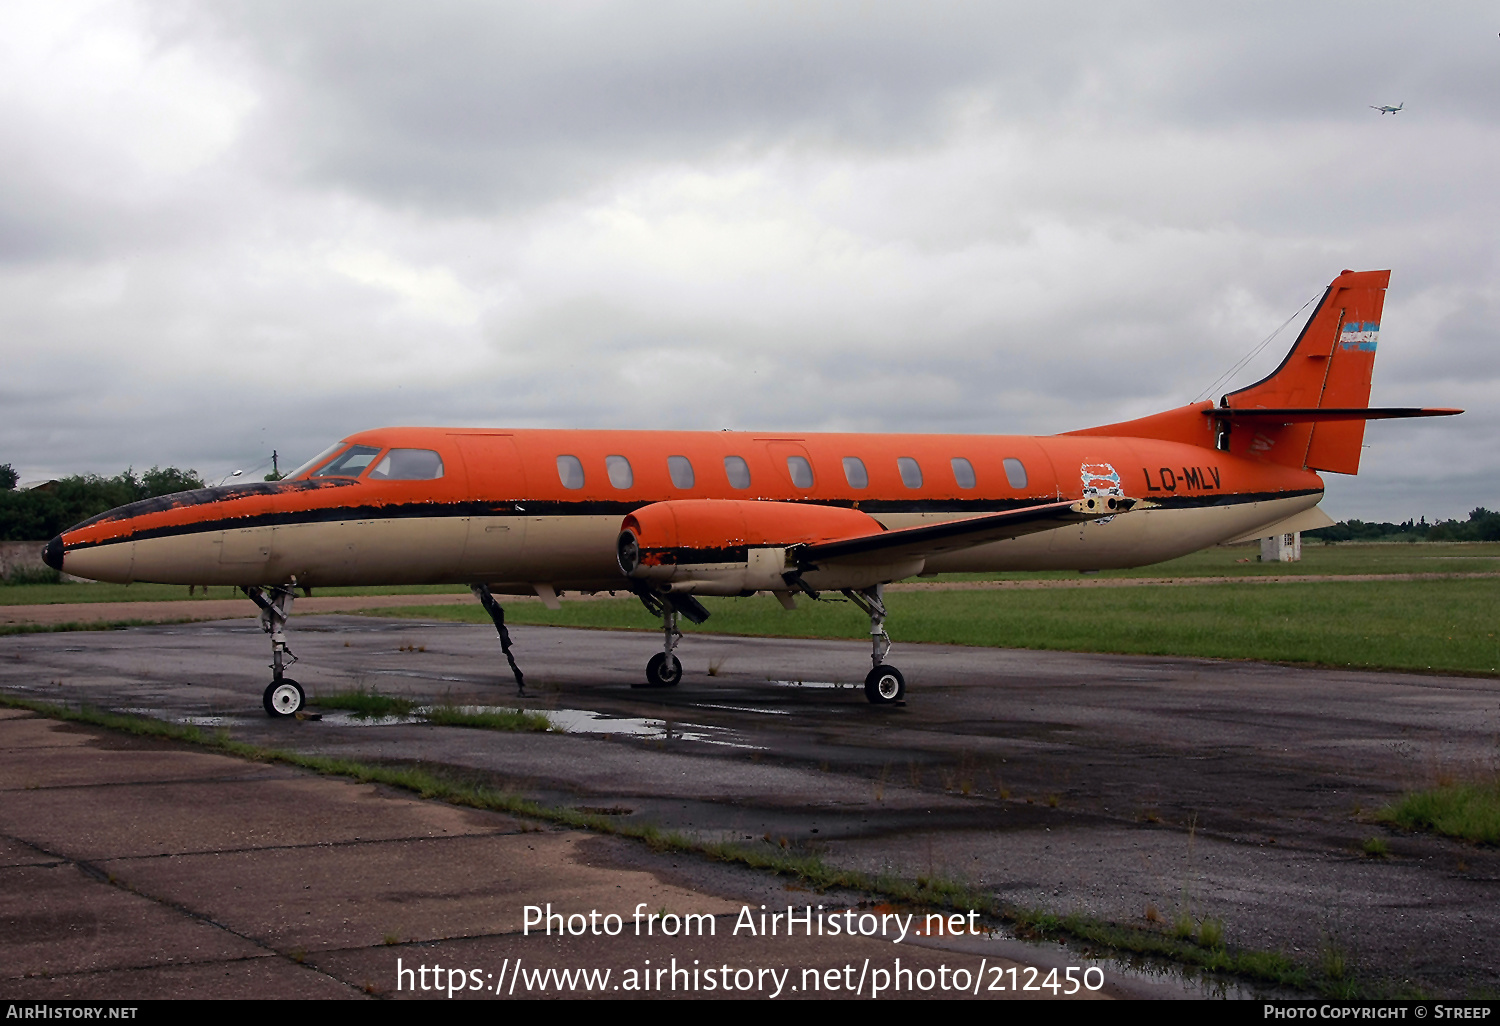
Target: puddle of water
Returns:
[741, 708]
[828, 685]
[586, 721]
[190, 719]
[347, 718]
[564, 721]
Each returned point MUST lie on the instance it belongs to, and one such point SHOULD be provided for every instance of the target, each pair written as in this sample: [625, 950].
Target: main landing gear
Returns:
[664, 669]
[884, 684]
[283, 696]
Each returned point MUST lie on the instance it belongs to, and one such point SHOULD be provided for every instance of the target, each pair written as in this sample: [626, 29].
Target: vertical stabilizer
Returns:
[1328, 368]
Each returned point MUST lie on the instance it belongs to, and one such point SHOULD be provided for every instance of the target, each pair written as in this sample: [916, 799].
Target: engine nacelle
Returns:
[728, 546]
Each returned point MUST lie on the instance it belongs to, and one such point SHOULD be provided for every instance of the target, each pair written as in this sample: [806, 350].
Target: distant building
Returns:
[1281, 548]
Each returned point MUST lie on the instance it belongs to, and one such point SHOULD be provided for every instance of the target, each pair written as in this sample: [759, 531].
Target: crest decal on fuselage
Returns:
[1100, 479]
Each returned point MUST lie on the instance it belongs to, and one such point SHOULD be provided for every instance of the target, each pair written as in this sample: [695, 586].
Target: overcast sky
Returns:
[230, 228]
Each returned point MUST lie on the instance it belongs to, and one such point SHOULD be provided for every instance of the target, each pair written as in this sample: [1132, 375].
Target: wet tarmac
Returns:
[1131, 789]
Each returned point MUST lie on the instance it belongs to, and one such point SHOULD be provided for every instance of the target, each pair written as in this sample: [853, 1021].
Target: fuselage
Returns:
[539, 510]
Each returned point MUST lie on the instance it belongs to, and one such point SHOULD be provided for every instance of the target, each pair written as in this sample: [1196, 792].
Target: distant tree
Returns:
[1482, 525]
[158, 481]
[273, 476]
[1359, 530]
[8, 477]
[39, 513]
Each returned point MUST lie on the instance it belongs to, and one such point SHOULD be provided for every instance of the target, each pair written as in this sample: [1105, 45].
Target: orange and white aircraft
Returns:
[671, 515]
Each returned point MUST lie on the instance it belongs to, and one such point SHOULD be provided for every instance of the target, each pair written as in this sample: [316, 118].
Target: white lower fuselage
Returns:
[516, 552]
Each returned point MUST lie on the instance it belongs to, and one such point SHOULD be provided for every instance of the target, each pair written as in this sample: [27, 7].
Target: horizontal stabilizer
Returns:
[950, 535]
[1308, 416]
[1307, 520]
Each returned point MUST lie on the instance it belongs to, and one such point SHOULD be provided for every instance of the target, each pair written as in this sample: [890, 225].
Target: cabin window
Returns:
[801, 471]
[1015, 472]
[963, 472]
[738, 471]
[351, 464]
[854, 472]
[319, 458]
[681, 469]
[911, 472]
[618, 468]
[570, 471]
[408, 465]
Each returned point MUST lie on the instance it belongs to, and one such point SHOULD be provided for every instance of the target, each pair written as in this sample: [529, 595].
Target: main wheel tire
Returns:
[283, 698]
[663, 671]
[885, 686]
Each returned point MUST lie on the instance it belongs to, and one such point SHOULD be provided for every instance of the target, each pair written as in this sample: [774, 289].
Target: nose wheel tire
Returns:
[283, 698]
[663, 671]
[885, 686]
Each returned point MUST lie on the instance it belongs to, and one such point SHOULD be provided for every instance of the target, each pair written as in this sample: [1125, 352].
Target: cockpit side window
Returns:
[351, 464]
[408, 465]
[319, 458]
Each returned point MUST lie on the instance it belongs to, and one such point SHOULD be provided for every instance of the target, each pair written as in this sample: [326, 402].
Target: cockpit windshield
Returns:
[319, 458]
[351, 464]
[355, 460]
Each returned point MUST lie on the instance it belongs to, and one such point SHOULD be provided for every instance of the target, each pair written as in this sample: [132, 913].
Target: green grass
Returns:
[499, 719]
[1446, 626]
[369, 704]
[1317, 559]
[365, 704]
[1469, 811]
[1208, 953]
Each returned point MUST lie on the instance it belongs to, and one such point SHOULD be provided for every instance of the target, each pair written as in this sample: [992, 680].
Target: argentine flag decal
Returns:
[1359, 335]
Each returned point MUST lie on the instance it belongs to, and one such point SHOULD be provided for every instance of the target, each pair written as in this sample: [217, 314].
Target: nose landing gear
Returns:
[283, 697]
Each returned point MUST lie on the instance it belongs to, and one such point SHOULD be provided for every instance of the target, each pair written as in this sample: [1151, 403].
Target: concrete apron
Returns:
[137, 869]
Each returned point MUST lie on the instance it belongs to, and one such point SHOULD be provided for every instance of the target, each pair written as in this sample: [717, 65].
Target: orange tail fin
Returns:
[1309, 412]
[1328, 368]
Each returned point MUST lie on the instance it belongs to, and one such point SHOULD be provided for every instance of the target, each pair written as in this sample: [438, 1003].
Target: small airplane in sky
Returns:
[1389, 110]
[673, 515]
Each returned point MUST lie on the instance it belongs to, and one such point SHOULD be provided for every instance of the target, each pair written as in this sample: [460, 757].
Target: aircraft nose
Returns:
[52, 555]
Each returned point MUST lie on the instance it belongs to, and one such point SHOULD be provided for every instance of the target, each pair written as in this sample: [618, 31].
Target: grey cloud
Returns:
[462, 106]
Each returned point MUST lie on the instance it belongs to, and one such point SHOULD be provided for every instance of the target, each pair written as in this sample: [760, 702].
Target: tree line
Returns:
[36, 514]
[1482, 525]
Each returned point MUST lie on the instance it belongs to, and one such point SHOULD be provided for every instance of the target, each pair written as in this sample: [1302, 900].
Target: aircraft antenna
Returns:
[1231, 372]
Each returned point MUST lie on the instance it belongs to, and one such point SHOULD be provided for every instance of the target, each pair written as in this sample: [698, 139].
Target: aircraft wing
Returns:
[950, 535]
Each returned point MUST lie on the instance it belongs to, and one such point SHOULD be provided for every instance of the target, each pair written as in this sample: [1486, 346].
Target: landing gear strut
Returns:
[283, 697]
[665, 669]
[884, 684]
[497, 614]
